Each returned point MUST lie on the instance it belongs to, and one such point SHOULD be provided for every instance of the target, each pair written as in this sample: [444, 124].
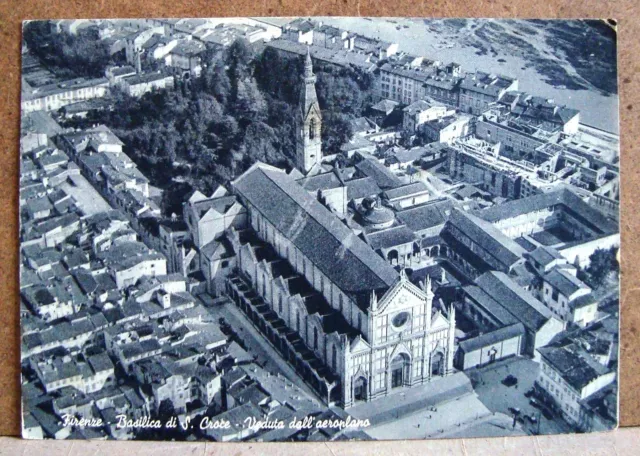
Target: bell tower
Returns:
[309, 122]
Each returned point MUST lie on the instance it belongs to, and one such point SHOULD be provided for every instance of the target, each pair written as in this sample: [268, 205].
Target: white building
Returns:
[568, 375]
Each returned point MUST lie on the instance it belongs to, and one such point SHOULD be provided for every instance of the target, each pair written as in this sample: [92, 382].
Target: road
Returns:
[264, 353]
[459, 416]
[499, 398]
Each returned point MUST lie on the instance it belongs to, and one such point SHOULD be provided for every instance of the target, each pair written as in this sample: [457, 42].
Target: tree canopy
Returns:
[603, 266]
[240, 110]
[80, 54]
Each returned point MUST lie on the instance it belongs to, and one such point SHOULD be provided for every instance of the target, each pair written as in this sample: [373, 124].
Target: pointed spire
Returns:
[373, 301]
[427, 284]
[308, 64]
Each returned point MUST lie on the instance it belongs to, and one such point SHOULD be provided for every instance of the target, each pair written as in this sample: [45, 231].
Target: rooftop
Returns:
[577, 369]
[390, 237]
[431, 214]
[493, 337]
[544, 255]
[378, 172]
[564, 197]
[490, 239]
[563, 281]
[345, 259]
[517, 301]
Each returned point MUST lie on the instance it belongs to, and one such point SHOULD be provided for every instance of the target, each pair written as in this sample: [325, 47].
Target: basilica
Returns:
[351, 324]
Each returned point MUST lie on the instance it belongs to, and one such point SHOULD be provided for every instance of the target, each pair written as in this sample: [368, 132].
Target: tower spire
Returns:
[309, 145]
[308, 64]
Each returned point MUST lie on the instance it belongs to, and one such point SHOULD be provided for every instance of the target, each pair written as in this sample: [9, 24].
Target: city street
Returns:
[264, 354]
[500, 398]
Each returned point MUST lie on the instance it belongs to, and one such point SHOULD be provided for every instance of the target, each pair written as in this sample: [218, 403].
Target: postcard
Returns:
[318, 229]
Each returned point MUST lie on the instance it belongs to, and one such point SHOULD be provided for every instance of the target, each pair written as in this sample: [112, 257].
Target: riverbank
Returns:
[527, 51]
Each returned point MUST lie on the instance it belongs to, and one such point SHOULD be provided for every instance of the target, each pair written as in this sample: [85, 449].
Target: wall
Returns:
[481, 356]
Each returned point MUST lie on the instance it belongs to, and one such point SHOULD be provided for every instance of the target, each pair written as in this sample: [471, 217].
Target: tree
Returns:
[249, 103]
[336, 130]
[603, 264]
[238, 58]
[215, 81]
[261, 143]
[82, 54]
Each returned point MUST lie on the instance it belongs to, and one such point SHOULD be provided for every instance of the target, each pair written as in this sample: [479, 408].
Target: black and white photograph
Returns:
[318, 228]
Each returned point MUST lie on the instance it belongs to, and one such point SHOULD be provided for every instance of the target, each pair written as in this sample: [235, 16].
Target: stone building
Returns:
[354, 327]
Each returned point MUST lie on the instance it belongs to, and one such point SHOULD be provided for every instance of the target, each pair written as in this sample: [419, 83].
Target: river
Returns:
[415, 37]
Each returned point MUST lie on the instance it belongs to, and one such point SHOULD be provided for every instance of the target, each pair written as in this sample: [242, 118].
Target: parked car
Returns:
[534, 402]
[530, 392]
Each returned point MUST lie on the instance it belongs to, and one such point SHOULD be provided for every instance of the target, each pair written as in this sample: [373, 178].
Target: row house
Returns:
[569, 376]
[54, 96]
[87, 374]
[478, 90]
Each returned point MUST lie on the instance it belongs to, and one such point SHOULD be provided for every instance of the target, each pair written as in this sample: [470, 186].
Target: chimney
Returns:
[138, 64]
[164, 299]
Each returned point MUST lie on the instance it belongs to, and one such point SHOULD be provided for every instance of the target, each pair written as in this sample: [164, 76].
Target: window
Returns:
[312, 128]
[280, 304]
[399, 320]
[554, 296]
[359, 321]
[315, 338]
[340, 303]
[334, 357]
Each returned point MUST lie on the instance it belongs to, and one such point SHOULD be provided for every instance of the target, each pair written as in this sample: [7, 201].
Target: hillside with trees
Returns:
[242, 109]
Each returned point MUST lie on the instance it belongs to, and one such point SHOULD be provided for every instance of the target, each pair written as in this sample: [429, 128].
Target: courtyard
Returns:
[553, 236]
[88, 200]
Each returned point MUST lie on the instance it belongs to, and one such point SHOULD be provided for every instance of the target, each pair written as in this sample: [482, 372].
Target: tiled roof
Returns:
[564, 282]
[578, 371]
[517, 301]
[345, 259]
[489, 238]
[361, 188]
[544, 255]
[390, 237]
[501, 334]
[380, 173]
[571, 203]
[427, 215]
[406, 190]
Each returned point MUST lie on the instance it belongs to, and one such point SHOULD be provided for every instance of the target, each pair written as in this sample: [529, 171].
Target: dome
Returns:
[375, 215]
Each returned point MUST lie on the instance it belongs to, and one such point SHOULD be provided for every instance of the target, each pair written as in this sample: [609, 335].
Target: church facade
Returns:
[357, 328]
